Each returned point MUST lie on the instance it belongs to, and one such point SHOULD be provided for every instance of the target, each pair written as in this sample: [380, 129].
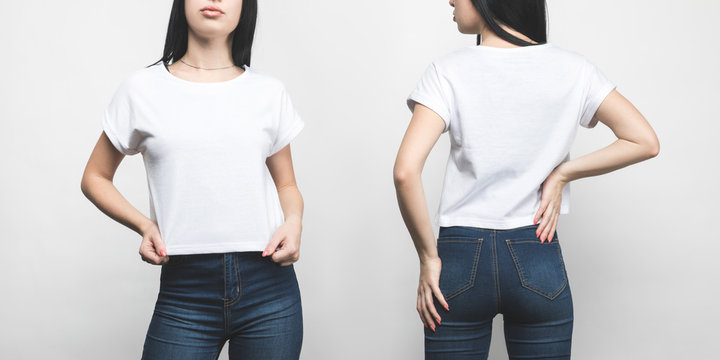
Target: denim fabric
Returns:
[241, 297]
[486, 272]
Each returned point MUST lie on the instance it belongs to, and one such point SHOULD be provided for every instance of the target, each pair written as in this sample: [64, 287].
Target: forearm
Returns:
[413, 207]
[615, 156]
[103, 193]
[291, 202]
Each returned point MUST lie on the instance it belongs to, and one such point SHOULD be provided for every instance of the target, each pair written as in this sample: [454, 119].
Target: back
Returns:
[512, 114]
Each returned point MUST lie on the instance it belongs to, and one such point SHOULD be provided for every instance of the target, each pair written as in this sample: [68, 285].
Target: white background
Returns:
[640, 245]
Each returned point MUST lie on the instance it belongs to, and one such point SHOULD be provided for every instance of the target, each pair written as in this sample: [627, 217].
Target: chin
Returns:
[211, 30]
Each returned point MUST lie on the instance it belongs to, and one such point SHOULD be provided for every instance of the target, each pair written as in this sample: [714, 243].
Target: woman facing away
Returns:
[225, 212]
[511, 105]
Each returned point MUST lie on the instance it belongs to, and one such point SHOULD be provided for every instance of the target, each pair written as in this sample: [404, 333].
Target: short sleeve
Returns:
[118, 122]
[430, 93]
[288, 126]
[597, 88]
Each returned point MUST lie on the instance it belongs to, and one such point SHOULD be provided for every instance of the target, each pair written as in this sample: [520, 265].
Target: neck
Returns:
[208, 53]
[489, 38]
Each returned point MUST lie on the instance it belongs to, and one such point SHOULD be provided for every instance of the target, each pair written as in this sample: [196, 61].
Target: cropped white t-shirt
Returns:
[204, 147]
[512, 115]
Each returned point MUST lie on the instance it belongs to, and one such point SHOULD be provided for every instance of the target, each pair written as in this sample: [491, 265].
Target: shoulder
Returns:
[263, 80]
[563, 55]
[141, 78]
[452, 59]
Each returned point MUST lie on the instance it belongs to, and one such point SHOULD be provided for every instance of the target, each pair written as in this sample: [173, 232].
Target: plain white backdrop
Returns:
[640, 244]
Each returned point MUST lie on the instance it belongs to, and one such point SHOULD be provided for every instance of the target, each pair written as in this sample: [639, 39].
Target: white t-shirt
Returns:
[204, 146]
[512, 115]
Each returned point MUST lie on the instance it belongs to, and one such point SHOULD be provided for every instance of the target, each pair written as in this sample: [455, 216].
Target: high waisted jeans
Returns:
[208, 299]
[486, 272]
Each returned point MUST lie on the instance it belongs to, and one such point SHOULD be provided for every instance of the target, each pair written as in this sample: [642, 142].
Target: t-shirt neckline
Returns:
[164, 69]
[511, 49]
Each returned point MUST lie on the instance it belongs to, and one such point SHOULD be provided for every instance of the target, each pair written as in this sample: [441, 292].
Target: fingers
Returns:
[159, 246]
[424, 312]
[426, 307]
[273, 244]
[546, 221]
[551, 226]
[552, 230]
[441, 299]
[430, 305]
[286, 255]
[419, 308]
[543, 206]
[148, 254]
[152, 250]
[548, 224]
[545, 218]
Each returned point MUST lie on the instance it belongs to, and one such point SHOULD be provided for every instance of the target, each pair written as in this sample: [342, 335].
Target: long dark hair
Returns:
[242, 37]
[529, 17]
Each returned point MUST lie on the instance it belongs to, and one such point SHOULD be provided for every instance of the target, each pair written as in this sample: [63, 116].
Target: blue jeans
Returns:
[241, 297]
[486, 272]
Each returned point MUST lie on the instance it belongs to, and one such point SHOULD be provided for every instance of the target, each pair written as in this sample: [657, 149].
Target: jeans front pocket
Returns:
[539, 265]
[459, 256]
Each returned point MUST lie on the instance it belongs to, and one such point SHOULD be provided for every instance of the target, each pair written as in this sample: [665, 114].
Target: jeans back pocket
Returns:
[539, 265]
[459, 256]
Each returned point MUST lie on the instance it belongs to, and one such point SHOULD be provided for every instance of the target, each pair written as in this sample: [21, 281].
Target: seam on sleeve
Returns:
[286, 138]
[425, 101]
[114, 138]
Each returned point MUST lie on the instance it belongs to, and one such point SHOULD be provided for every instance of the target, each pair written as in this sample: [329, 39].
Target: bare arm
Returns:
[636, 141]
[285, 242]
[423, 132]
[97, 185]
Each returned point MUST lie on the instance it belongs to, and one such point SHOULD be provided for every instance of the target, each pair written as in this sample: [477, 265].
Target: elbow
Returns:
[88, 183]
[653, 148]
[402, 175]
[85, 187]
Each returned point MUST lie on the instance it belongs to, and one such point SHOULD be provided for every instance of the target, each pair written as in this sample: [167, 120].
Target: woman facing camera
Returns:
[225, 213]
[511, 105]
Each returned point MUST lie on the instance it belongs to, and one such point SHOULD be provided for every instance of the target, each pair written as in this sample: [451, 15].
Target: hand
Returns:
[284, 246]
[152, 248]
[429, 287]
[550, 203]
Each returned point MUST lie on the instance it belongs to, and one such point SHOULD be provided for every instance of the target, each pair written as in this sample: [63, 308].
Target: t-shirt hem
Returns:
[215, 248]
[503, 224]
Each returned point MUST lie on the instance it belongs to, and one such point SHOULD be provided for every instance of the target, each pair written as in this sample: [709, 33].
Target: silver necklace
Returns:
[197, 67]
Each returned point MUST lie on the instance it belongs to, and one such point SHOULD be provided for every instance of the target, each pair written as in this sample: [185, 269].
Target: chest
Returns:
[205, 126]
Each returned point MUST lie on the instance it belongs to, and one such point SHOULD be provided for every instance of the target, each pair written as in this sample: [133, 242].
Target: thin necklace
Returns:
[197, 67]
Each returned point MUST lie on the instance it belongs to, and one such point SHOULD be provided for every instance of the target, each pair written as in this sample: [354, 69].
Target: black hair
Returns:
[529, 17]
[176, 39]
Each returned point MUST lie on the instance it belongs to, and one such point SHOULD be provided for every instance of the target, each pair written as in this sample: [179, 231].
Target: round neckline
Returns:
[512, 49]
[167, 72]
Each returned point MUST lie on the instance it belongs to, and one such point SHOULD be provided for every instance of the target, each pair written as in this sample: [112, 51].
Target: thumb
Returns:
[159, 246]
[272, 245]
